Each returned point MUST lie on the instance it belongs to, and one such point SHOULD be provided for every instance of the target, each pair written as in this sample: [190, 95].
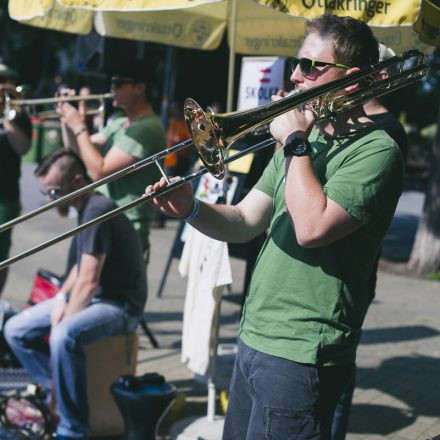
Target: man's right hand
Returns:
[177, 203]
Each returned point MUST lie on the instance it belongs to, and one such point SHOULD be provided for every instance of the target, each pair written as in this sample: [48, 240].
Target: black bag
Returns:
[7, 357]
[13, 434]
[131, 382]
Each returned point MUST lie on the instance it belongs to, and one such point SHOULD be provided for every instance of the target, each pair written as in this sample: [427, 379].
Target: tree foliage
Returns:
[425, 255]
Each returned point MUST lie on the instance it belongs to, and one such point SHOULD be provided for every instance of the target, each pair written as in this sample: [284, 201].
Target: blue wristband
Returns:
[194, 213]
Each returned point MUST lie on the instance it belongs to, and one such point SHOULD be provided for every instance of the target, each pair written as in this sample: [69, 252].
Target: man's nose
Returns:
[297, 75]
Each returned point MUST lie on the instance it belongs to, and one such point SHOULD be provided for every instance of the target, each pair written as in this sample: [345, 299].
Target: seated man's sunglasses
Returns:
[54, 193]
[118, 81]
[307, 66]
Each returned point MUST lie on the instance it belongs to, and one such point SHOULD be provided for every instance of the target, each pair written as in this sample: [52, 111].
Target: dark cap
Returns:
[7, 71]
[133, 69]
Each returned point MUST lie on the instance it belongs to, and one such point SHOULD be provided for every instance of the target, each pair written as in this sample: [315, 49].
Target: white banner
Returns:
[260, 78]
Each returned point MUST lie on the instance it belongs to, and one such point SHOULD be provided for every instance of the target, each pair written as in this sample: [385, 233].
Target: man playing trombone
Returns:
[124, 141]
[327, 198]
[15, 140]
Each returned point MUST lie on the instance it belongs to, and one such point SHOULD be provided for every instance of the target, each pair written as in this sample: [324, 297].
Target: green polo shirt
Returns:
[308, 304]
[142, 138]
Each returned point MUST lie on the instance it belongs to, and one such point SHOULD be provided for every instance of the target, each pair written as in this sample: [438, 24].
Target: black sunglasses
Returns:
[54, 193]
[119, 82]
[307, 66]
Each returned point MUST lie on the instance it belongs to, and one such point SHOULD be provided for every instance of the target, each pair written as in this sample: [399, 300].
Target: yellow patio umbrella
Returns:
[253, 27]
[401, 25]
[49, 14]
[199, 24]
[276, 30]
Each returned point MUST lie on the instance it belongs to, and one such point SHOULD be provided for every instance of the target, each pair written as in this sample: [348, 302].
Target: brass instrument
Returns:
[212, 134]
[7, 97]
[11, 103]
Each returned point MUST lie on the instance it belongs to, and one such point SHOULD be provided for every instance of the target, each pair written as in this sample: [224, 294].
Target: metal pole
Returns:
[231, 69]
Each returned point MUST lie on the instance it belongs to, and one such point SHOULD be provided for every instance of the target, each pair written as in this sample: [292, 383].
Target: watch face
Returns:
[301, 148]
[296, 147]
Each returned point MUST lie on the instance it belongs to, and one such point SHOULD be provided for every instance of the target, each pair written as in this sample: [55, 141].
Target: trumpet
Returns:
[7, 96]
[212, 134]
[12, 103]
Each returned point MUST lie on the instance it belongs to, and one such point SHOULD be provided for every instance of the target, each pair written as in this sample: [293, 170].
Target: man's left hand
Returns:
[291, 122]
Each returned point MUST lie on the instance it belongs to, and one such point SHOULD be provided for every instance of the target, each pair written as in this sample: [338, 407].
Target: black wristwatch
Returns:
[296, 146]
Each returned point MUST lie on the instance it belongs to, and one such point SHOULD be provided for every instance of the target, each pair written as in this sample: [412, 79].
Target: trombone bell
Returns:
[203, 133]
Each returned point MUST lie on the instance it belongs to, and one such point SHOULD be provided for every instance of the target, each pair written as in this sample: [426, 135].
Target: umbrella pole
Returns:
[168, 85]
[213, 361]
[231, 68]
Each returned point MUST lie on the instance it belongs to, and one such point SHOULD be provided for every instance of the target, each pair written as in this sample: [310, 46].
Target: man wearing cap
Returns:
[15, 140]
[123, 141]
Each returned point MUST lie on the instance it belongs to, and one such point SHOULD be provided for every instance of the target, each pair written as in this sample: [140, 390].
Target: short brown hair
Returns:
[67, 161]
[353, 41]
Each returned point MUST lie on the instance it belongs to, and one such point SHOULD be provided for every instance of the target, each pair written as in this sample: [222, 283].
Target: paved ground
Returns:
[398, 387]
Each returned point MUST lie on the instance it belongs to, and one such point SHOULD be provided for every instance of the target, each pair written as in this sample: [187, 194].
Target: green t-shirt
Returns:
[308, 304]
[142, 138]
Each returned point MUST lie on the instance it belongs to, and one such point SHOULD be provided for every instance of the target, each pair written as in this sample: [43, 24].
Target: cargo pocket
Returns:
[288, 424]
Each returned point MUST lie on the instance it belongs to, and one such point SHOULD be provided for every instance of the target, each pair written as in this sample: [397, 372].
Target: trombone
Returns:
[212, 134]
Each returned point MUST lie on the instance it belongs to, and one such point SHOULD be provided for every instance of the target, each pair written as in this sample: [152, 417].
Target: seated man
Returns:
[103, 295]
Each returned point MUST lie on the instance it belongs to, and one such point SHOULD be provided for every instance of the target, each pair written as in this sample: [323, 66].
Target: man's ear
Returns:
[78, 179]
[140, 87]
[353, 87]
[383, 74]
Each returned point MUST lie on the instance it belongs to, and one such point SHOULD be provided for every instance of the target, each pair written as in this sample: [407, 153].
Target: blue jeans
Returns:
[272, 398]
[64, 367]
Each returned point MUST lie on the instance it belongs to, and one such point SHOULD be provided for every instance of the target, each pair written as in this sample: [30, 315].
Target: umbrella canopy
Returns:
[276, 30]
[49, 14]
[197, 24]
[255, 27]
[401, 25]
